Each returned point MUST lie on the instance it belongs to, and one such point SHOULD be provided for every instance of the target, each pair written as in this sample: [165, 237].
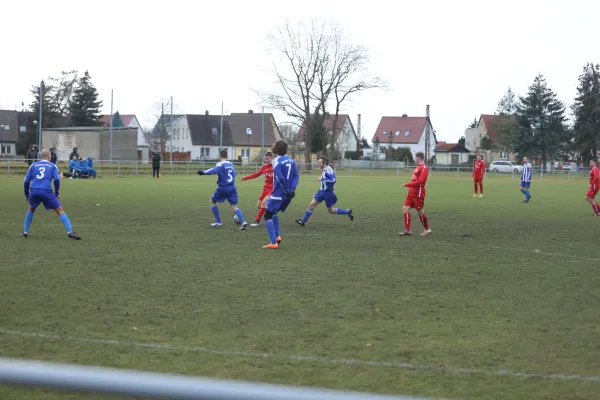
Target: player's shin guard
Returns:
[424, 220]
[307, 215]
[276, 226]
[239, 214]
[271, 231]
[407, 221]
[260, 214]
[342, 211]
[28, 219]
[66, 222]
[215, 211]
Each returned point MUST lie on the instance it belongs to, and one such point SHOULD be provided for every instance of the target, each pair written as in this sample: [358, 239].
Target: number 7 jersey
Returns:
[285, 174]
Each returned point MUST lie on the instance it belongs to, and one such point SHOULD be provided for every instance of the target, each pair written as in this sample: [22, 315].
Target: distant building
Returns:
[92, 142]
[130, 121]
[405, 133]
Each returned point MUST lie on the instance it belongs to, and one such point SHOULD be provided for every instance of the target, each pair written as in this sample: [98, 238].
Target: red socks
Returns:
[424, 221]
[475, 188]
[596, 208]
[480, 187]
[407, 221]
[260, 214]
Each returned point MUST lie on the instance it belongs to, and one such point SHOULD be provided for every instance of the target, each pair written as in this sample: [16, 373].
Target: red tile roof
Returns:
[328, 124]
[490, 124]
[451, 147]
[398, 126]
[126, 118]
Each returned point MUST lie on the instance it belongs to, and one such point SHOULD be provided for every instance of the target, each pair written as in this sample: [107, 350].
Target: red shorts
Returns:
[477, 178]
[591, 193]
[265, 193]
[414, 202]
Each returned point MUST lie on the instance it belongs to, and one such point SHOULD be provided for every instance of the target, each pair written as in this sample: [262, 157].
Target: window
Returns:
[5, 149]
[504, 155]
[397, 133]
[245, 153]
[384, 133]
[204, 151]
[5, 127]
[406, 133]
[214, 130]
[22, 129]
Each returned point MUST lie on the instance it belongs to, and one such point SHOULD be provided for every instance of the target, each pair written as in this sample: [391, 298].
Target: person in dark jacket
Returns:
[32, 155]
[74, 153]
[156, 165]
[53, 156]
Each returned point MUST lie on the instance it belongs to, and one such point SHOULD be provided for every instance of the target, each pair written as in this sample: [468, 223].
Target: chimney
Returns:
[250, 112]
[404, 115]
[206, 112]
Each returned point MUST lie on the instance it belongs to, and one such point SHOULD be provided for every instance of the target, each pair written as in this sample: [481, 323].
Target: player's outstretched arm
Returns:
[258, 173]
[212, 171]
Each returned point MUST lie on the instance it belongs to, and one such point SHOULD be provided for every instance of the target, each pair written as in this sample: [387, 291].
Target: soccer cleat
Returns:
[299, 222]
[350, 215]
[475, 195]
[271, 246]
[480, 196]
[426, 233]
[255, 223]
[243, 226]
[405, 233]
[73, 235]
[278, 239]
[215, 224]
[24, 234]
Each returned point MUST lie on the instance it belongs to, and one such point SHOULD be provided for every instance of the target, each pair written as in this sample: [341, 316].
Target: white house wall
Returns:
[213, 152]
[347, 141]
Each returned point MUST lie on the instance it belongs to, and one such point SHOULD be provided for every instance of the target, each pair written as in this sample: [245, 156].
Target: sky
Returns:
[457, 56]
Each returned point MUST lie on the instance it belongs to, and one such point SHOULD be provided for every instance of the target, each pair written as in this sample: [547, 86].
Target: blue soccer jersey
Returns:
[285, 175]
[327, 179]
[40, 176]
[526, 175]
[225, 172]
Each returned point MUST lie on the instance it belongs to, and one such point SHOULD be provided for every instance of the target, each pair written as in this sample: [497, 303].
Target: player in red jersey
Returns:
[266, 169]
[478, 173]
[416, 196]
[594, 187]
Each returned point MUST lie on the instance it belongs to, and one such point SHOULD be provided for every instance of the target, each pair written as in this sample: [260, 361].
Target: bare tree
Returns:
[289, 133]
[315, 68]
[161, 123]
[61, 91]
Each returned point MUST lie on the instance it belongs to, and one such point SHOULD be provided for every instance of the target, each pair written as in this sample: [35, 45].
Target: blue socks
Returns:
[28, 219]
[342, 211]
[307, 215]
[239, 214]
[66, 222]
[271, 230]
[215, 211]
[276, 225]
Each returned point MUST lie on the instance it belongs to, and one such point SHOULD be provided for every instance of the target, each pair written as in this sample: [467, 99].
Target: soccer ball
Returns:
[236, 220]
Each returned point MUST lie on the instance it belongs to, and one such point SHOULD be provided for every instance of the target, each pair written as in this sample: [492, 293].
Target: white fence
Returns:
[130, 383]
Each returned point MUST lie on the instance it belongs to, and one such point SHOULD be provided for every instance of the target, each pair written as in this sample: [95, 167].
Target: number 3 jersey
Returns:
[40, 176]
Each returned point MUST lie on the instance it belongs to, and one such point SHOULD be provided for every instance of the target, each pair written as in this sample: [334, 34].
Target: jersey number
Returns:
[289, 167]
[229, 176]
[41, 174]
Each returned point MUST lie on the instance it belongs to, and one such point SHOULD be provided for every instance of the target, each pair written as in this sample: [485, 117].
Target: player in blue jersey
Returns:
[38, 190]
[325, 194]
[226, 189]
[285, 181]
[526, 179]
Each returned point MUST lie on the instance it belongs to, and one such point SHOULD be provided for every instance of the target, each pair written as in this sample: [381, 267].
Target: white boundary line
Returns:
[390, 364]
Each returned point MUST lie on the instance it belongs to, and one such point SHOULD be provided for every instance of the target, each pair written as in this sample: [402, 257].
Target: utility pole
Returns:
[262, 145]
[111, 126]
[427, 135]
[39, 146]
[171, 133]
[221, 133]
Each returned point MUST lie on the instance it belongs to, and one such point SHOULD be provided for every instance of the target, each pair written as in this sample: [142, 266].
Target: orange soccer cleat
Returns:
[271, 246]
[278, 239]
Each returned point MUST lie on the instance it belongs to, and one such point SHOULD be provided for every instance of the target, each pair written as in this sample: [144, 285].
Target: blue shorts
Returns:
[525, 184]
[48, 199]
[278, 203]
[328, 197]
[223, 193]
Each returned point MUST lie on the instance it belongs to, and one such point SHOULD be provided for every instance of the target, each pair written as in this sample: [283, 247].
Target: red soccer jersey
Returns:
[594, 178]
[417, 184]
[479, 168]
[266, 169]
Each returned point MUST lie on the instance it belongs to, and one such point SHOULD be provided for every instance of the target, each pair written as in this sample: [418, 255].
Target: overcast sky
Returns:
[457, 56]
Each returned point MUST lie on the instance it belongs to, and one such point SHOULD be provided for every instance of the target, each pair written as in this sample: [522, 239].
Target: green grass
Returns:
[500, 285]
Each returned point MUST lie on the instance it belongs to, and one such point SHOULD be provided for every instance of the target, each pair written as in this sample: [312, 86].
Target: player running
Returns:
[594, 187]
[285, 181]
[266, 169]
[416, 196]
[526, 179]
[325, 194]
[226, 189]
[38, 190]
[478, 173]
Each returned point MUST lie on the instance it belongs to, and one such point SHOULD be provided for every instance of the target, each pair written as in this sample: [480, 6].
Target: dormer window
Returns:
[406, 133]
[384, 133]
[397, 133]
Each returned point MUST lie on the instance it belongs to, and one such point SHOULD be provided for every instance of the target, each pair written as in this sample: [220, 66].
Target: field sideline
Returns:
[500, 302]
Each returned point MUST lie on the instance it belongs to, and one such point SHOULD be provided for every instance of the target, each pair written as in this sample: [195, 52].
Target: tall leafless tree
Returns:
[316, 68]
[161, 124]
[61, 91]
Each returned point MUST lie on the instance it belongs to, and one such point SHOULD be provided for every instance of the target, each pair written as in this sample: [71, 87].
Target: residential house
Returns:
[405, 133]
[451, 154]
[346, 138]
[486, 126]
[9, 133]
[130, 121]
[246, 133]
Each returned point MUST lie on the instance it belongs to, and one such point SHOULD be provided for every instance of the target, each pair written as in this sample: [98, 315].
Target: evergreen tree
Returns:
[541, 131]
[50, 117]
[586, 112]
[85, 107]
[506, 124]
[474, 123]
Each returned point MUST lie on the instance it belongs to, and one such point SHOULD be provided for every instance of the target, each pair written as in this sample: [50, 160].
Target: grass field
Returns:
[501, 302]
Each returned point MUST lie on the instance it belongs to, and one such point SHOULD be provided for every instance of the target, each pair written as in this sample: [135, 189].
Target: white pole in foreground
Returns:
[132, 383]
